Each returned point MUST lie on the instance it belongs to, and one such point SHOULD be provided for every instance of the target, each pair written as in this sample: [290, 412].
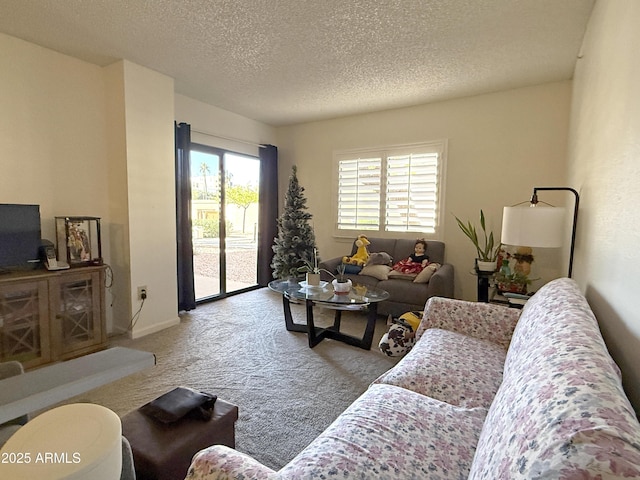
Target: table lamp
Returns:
[539, 226]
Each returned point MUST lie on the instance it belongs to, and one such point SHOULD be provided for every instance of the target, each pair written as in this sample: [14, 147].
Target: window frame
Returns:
[434, 146]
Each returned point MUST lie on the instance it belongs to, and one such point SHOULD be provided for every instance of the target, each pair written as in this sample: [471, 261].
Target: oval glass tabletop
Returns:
[358, 296]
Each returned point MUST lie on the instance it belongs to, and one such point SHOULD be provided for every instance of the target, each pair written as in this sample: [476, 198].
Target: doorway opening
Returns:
[225, 198]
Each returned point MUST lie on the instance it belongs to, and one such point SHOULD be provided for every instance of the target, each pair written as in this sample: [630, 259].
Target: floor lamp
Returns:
[539, 226]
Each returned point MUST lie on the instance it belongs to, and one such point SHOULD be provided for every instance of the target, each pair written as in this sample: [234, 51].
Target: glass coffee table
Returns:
[359, 298]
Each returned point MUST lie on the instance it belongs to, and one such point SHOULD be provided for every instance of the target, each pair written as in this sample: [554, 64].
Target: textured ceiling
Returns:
[289, 61]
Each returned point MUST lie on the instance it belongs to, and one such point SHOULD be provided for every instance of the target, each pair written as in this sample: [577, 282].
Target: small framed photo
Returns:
[78, 240]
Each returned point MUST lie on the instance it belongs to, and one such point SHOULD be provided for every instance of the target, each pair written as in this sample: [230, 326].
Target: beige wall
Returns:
[604, 165]
[500, 146]
[118, 196]
[149, 114]
[52, 132]
[81, 140]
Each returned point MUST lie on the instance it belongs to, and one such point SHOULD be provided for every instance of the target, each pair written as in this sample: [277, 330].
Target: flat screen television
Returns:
[19, 236]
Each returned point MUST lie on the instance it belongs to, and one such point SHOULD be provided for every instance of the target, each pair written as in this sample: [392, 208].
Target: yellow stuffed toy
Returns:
[362, 255]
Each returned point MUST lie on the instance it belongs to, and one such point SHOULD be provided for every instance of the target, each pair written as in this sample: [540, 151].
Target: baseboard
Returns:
[156, 327]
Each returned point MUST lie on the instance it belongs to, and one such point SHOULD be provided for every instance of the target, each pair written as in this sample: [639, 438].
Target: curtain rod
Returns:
[229, 138]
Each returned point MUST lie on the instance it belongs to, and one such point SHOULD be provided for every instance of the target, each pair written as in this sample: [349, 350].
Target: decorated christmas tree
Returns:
[295, 244]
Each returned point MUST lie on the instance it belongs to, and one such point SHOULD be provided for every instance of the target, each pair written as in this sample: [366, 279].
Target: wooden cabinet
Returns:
[25, 321]
[50, 316]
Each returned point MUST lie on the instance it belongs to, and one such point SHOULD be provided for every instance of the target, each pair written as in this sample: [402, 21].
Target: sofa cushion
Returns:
[396, 275]
[561, 411]
[403, 291]
[425, 275]
[485, 321]
[381, 272]
[391, 433]
[450, 367]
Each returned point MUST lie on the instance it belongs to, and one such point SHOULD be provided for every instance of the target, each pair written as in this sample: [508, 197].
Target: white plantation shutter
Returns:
[397, 189]
[411, 193]
[359, 186]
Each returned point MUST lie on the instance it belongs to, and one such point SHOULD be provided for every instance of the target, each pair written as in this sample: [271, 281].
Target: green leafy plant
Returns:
[308, 267]
[485, 245]
[516, 282]
[311, 266]
[341, 269]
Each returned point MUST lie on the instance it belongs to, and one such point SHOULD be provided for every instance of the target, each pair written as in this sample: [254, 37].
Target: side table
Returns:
[484, 280]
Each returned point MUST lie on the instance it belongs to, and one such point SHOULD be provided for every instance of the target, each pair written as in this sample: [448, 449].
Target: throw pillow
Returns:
[425, 275]
[381, 272]
[396, 275]
[353, 269]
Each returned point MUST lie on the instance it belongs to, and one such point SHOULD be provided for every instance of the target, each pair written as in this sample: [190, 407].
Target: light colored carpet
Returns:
[238, 348]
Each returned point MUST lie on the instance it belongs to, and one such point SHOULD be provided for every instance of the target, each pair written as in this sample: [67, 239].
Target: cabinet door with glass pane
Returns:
[24, 322]
[78, 312]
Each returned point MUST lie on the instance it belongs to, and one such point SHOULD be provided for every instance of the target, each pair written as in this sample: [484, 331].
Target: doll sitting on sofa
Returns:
[416, 261]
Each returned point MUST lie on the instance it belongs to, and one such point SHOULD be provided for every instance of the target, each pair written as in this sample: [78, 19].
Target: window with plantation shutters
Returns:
[394, 189]
[359, 182]
[411, 193]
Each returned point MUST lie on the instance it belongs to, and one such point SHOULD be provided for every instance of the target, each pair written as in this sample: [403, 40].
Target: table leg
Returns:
[288, 318]
[317, 334]
[483, 289]
[314, 335]
[367, 339]
[336, 320]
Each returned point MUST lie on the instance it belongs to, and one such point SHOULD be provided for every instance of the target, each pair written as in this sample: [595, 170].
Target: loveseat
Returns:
[405, 294]
[487, 392]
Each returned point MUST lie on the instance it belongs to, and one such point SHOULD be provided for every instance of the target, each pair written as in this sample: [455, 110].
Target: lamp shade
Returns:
[533, 226]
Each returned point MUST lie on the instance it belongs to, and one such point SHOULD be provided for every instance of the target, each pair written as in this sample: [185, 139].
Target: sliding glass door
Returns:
[224, 216]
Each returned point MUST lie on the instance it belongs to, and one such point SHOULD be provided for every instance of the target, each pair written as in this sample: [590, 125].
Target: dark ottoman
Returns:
[164, 451]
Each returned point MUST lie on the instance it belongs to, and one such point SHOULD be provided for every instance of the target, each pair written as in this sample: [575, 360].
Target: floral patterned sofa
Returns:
[488, 392]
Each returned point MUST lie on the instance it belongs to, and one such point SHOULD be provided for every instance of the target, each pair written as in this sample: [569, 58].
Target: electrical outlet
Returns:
[142, 292]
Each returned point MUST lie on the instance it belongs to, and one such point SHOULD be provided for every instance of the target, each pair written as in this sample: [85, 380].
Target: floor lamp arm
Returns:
[534, 199]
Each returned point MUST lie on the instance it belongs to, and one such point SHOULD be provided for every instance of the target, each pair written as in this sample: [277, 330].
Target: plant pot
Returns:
[520, 288]
[313, 279]
[486, 266]
[341, 287]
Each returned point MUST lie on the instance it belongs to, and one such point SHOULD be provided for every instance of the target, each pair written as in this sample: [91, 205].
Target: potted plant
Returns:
[311, 269]
[516, 282]
[341, 284]
[485, 245]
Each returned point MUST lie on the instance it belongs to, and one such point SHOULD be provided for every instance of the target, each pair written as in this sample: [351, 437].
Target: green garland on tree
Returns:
[296, 241]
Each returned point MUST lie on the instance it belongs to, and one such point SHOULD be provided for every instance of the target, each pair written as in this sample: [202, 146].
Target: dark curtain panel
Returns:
[268, 211]
[186, 290]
